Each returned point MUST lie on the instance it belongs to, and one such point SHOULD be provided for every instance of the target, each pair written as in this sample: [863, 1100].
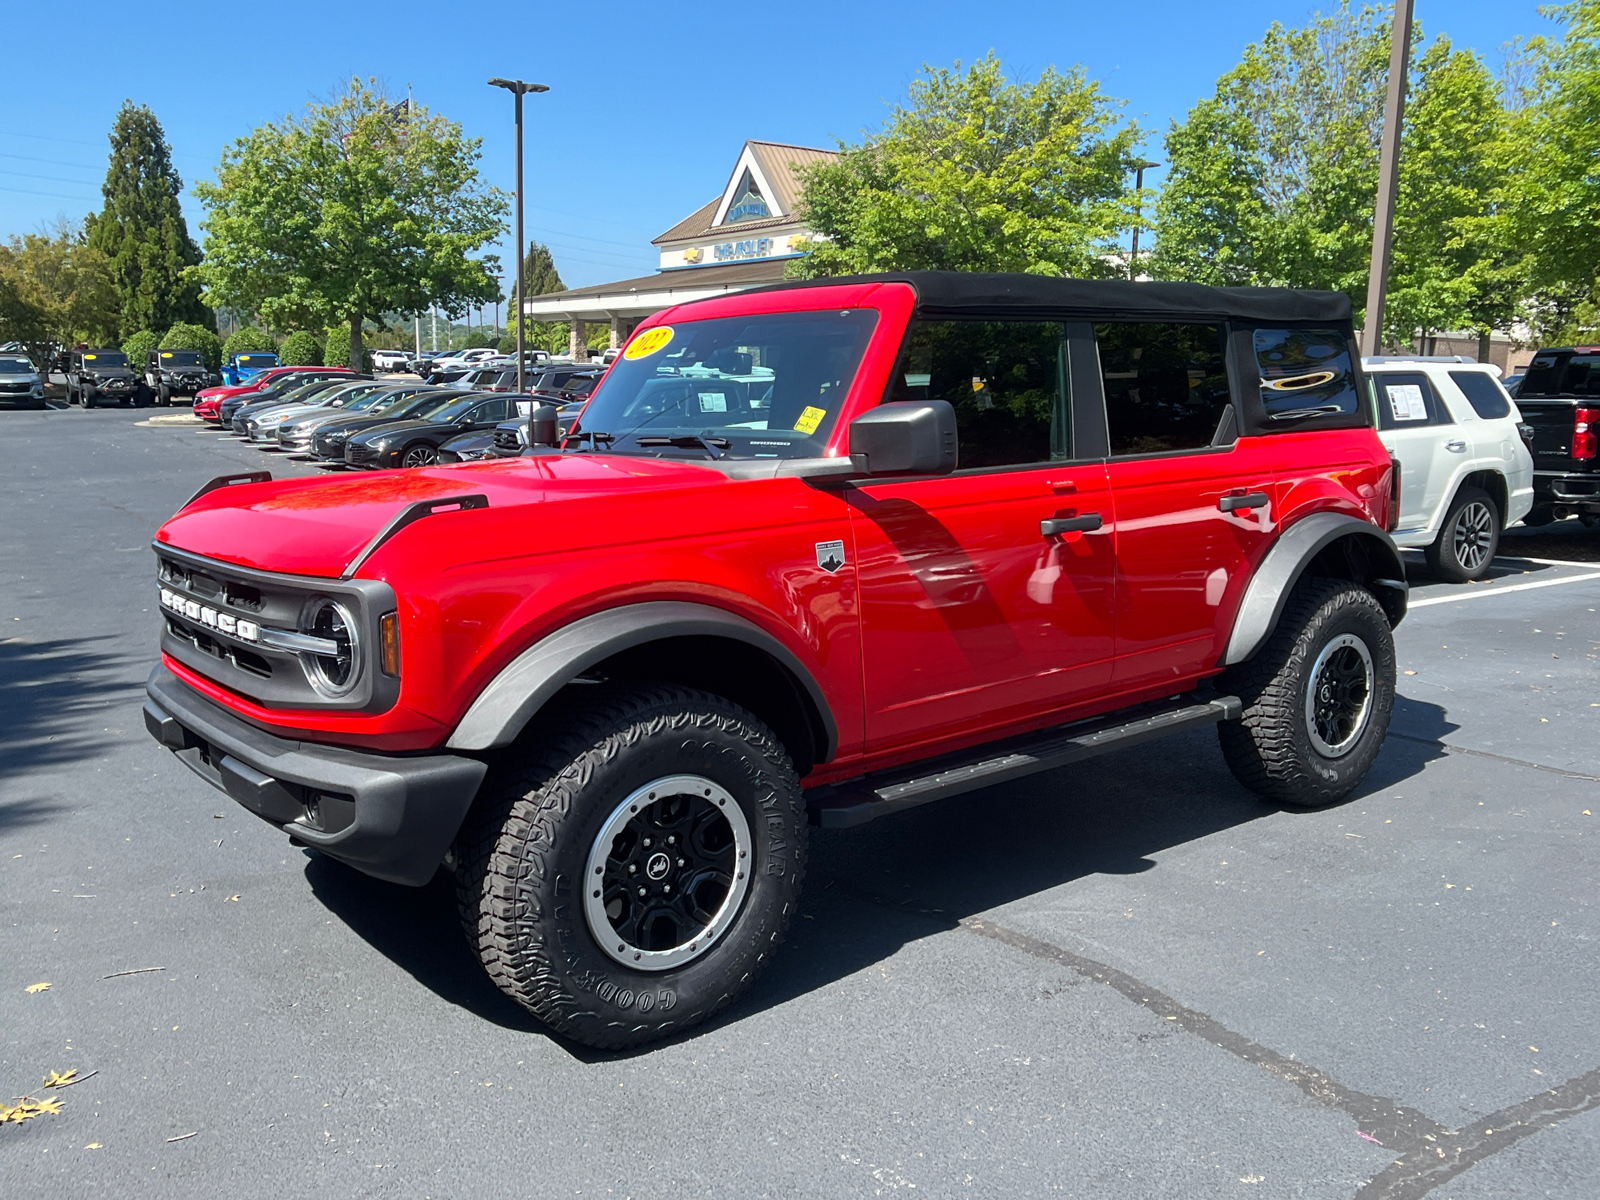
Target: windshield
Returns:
[15, 366]
[106, 358]
[258, 360]
[767, 386]
[180, 358]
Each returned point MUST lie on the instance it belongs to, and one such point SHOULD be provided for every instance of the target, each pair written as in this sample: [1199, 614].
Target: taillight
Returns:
[1583, 434]
[1394, 494]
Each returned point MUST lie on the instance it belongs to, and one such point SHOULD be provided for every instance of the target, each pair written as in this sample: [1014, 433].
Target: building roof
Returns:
[651, 293]
[775, 164]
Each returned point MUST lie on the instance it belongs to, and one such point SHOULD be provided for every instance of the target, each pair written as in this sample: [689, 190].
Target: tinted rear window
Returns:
[1483, 392]
[1305, 369]
[1562, 375]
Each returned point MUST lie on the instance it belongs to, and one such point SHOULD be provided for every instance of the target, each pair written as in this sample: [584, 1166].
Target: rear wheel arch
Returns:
[1327, 545]
[685, 643]
[1492, 482]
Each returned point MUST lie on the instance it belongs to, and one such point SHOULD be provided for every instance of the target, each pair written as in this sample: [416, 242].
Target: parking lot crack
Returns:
[1515, 762]
[1388, 1122]
[1423, 1168]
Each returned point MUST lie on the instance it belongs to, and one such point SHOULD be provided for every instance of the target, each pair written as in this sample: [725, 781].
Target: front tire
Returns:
[1468, 538]
[635, 872]
[1317, 697]
[419, 454]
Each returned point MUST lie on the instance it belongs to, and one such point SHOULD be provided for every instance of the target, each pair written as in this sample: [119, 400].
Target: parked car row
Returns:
[336, 417]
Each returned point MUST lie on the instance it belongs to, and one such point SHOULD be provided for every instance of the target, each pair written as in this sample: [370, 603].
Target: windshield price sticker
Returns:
[713, 402]
[1405, 401]
[648, 342]
[809, 420]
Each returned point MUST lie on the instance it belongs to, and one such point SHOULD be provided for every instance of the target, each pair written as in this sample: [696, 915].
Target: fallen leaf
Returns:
[227, 899]
[56, 1079]
[94, 1146]
[36, 987]
[1251, 1178]
[1410, 672]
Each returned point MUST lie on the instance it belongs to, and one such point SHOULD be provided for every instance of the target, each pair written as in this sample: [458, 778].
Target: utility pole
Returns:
[1388, 179]
[518, 88]
[1138, 213]
[433, 315]
[416, 324]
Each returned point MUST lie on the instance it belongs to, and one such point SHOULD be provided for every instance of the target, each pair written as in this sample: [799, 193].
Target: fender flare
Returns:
[522, 687]
[1287, 560]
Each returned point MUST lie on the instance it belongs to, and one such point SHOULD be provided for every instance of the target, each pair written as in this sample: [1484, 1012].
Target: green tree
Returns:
[539, 272]
[300, 349]
[58, 290]
[552, 336]
[247, 338]
[976, 172]
[188, 336]
[358, 208]
[341, 348]
[141, 229]
[137, 345]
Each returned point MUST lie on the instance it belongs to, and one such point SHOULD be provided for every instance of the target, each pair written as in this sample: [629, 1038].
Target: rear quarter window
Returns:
[1305, 369]
[1484, 393]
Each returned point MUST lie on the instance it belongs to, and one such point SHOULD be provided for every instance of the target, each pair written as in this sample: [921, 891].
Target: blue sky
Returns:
[649, 105]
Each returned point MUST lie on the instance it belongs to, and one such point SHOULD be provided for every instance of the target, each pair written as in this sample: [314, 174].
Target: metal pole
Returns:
[1138, 212]
[1388, 179]
[522, 388]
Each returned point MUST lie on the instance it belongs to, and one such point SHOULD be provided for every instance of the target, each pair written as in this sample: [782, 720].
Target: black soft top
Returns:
[953, 293]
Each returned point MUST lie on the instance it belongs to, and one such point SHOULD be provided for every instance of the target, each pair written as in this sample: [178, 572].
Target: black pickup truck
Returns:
[1560, 398]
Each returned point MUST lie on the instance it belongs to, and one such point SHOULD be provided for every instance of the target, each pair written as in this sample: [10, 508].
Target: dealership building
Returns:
[742, 238]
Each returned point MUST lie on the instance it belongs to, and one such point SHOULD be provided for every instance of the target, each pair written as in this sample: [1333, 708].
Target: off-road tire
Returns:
[1468, 537]
[163, 396]
[1270, 750]
[522, 861]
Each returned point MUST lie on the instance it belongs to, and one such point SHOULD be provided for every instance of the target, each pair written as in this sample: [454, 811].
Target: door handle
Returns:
[1234, 503]
[1457, 446]
[1058, 525]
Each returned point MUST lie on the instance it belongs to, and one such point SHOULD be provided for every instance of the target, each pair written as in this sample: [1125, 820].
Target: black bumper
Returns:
[391, 816]
[1579, 493]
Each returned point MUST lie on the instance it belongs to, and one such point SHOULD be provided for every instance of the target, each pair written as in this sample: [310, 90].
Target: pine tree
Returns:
[539, 271]
[142, 230]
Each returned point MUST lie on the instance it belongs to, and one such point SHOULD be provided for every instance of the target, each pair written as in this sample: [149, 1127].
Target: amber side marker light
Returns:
[389, 643]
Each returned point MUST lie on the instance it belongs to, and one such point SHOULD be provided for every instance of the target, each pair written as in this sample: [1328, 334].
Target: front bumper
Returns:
[388, 815]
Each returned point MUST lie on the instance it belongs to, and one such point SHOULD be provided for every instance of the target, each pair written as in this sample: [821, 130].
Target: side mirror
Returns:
[905, 439]
[542, 426]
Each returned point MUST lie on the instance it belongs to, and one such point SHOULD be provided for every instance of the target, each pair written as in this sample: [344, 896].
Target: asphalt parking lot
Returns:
[1128, 979]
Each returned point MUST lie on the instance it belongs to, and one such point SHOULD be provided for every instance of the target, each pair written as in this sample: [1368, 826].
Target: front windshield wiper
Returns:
[1321, 410]
[578, 435]
[688, 441]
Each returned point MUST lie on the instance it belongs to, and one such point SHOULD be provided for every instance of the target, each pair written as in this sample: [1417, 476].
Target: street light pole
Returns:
[1138, 212]
[518, 88]
[1388, 179]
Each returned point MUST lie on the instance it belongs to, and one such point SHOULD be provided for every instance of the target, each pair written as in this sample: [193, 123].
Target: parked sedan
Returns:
[263, 427]
[297, 435]
[277, 384]
[304, 393]
[328, 440]
[416, 442]
[20, 385]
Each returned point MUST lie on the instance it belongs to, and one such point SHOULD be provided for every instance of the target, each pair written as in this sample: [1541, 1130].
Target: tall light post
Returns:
[1139, 168]
[519, 89]
[1394, 108]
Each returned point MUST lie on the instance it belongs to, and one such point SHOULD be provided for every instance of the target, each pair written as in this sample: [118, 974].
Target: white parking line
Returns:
[1516, 587]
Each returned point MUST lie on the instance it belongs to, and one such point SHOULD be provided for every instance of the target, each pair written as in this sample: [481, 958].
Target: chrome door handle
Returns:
[1457, 446]
[1253, 500]
[1084, 524]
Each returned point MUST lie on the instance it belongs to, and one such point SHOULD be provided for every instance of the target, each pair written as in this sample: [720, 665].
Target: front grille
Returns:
[360, 454]
[16, 387]
[507, 439]
[202, 641]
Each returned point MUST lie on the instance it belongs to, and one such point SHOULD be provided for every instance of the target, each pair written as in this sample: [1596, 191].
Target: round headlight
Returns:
[333, 675]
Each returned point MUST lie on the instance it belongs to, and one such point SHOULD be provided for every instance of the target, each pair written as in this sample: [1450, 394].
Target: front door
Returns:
[987, 596]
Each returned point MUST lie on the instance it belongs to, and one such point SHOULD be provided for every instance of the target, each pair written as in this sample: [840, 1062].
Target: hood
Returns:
[359, 423]
[387, 428]
[317, 526]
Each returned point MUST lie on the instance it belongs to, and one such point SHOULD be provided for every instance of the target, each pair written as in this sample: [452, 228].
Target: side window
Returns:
[494, 410]
[1484, 393]
[1007, 380]
[1406, 400]
[1166, 385]
[1305, 369]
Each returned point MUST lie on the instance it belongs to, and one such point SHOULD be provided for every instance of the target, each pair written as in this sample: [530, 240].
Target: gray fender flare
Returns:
[1286, 561]
[523, 686]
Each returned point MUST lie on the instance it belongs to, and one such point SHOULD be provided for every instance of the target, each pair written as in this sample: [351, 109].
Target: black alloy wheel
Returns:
[1468, 537]
[419, 454]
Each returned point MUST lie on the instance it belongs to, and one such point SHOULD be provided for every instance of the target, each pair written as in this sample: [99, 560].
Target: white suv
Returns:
[1465, 472]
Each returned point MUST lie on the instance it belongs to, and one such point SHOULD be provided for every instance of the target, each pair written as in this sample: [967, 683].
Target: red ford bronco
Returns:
[822, 552]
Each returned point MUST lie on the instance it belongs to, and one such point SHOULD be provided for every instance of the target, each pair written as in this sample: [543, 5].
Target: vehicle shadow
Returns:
[871, 890]
[54, 695]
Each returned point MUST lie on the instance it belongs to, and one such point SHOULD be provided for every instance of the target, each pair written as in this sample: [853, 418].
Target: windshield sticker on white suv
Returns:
[1406, 402]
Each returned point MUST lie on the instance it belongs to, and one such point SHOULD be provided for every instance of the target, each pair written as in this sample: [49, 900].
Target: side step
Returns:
[857, 801]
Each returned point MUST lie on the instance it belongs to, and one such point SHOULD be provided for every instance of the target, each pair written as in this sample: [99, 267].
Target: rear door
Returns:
[1196, 504]
[1416, 427]
[988, 596]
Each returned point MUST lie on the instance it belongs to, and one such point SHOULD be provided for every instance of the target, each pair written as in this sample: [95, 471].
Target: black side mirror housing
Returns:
[905, 438]
[542, 425]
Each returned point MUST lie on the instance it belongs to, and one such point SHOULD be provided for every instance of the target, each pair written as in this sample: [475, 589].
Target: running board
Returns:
[857, 801]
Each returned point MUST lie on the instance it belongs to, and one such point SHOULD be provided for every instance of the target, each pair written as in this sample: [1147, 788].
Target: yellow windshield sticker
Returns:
[648, 342]
[166, 354]
[809, 420]
[88, 358]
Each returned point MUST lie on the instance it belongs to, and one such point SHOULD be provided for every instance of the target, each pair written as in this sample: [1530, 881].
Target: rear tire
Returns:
[1539, 514]
[554, 857]
[1317, 697]
[1468, 537]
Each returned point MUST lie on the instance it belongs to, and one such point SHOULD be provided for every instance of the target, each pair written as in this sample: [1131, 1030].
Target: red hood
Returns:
[317, 526]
